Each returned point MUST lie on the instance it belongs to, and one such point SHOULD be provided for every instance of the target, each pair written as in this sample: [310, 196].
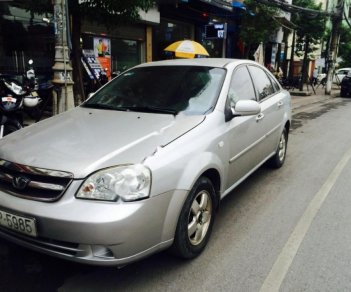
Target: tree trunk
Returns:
[76, 57]
[285, 61]
[291, 64]
[304, 74]
[247, 50]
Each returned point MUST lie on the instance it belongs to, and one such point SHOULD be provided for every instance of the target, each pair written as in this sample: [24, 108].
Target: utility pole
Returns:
[62, 68]
[334, 39]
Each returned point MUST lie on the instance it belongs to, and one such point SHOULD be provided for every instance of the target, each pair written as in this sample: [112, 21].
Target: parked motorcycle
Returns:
[15, 98]
[103, 79]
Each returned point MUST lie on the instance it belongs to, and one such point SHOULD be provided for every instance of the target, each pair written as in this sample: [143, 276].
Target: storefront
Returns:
[25, 36]
[125, 46]
[189, 20]
[167, 32]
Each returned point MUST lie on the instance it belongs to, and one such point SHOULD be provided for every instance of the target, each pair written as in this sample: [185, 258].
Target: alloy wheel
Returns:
[199, 217]
[282, 147]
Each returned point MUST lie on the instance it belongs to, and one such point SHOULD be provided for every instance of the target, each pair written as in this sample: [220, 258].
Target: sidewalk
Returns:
[307, 98]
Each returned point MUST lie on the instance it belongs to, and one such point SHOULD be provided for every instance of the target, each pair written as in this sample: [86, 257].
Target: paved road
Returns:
[287, 229]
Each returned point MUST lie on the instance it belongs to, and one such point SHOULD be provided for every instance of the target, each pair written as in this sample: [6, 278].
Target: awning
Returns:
[240, 5]
[285, 22]
[219, 3]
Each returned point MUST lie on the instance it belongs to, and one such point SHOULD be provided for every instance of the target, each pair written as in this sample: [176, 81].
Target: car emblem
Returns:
[20, 182]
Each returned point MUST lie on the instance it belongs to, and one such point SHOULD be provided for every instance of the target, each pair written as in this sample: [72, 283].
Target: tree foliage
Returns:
[257, 24]
[310, 27]
[103, 12]
[310, 31]
[345, 46]
[109, 11]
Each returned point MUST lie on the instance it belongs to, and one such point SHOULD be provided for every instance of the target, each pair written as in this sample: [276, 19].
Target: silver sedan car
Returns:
[142, 165]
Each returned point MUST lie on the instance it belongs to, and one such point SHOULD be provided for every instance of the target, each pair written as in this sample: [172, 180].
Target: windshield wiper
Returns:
[149, 109]
[101, 106]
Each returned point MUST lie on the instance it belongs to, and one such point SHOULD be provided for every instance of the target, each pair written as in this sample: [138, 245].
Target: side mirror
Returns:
[247, 108]
[243, 108]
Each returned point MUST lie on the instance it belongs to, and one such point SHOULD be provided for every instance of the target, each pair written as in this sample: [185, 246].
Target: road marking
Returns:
[282, 264]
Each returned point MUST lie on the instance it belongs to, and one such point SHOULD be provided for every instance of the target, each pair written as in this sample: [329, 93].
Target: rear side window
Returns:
[262, 83]
[241, 86]
[275, 84]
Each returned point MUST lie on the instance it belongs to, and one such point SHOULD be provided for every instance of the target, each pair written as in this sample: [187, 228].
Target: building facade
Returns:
[25, 35]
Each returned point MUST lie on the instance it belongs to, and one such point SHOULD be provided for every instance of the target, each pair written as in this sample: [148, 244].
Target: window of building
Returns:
[25, 36]
[168, 32]
[124, 53]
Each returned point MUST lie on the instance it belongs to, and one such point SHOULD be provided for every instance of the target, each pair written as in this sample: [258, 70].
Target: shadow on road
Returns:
[299, 118]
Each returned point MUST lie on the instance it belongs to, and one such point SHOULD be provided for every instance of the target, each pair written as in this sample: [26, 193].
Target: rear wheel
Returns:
[196, 220]
[343, 92]
[279, 157]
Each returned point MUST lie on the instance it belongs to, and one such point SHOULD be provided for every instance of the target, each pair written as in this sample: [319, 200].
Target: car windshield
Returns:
[162, 89]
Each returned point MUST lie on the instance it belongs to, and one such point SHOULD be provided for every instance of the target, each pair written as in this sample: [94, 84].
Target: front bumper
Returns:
[94, 232]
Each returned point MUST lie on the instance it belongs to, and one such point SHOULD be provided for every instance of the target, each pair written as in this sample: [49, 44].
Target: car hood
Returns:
[83, 140]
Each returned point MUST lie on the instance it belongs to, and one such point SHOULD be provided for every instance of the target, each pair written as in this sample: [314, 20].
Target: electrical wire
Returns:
[293, 8]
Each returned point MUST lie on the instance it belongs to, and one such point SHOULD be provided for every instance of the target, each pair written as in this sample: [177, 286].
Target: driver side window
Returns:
[241, 86]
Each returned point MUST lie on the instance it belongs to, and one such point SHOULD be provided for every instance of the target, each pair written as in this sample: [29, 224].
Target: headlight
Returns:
[129, 183]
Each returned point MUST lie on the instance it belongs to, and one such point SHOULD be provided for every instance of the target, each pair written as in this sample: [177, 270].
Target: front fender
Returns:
[14, 122]
[192, 171]
[197, 166]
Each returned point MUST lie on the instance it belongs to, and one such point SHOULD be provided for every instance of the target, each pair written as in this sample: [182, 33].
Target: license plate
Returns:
[9, 99]
[17, 223]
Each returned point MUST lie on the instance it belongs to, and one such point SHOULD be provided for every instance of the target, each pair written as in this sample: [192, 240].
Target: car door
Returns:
[243, 132]
[270, 120]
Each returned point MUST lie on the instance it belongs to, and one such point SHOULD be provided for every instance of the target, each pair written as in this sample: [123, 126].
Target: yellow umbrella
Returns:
[187, 49]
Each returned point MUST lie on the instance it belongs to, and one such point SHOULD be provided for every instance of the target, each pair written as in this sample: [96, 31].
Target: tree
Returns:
[257, 25]
[345, 46]
[310, 32]
[106, 12]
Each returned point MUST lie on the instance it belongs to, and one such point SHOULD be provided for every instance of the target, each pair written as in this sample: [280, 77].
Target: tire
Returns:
[8, 129]
[196, 220]
[278, 159]
[343, 93]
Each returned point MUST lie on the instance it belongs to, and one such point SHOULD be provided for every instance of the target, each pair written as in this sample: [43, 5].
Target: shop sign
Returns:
[91, 64]
[102, 51]
[216, 31]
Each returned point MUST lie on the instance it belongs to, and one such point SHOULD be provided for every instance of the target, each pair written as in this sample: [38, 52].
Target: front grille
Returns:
[55, 246]
[33, 183]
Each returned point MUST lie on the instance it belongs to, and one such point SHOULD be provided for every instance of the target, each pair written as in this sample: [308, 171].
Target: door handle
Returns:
[259, 117]
[280, 103]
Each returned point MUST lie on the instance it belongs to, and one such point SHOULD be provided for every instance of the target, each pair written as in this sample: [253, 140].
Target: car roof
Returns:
[343, 69]
[208, 62]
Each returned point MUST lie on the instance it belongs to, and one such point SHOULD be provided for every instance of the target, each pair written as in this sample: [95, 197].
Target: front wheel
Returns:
[279, 157]
[196, 220]
[9, 129]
